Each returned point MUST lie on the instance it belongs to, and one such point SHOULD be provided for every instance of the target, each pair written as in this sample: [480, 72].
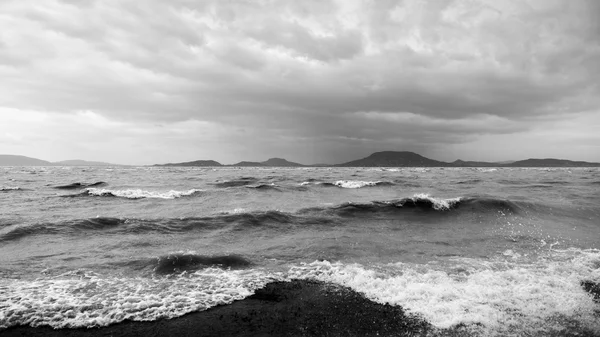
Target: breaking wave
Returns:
[90, 300]
[180, 262]
[75, 186]
[236, 182]
[264, 187]
[272, 220]
[347, 183]
[497, 297]
[553, 295]
[10, 189]
[136, 193]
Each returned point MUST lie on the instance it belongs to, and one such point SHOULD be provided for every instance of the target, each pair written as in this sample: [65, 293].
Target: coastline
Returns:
[295, 308]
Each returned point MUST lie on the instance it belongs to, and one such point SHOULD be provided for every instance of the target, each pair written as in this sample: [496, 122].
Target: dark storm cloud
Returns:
[386, 72]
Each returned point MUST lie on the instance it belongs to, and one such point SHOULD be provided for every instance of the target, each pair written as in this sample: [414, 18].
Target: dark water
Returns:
[505, 251]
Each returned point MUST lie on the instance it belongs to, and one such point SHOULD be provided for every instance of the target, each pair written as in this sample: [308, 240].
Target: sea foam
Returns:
[139, 194]
[355, 183]
[503, 296]
[10, 188]
[437, 203]
[82, 299]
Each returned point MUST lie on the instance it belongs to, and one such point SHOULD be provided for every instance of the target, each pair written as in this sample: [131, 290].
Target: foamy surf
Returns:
[10, 188]
[498, 297]
[437, 203]
[358, 183]
[140, 194]
[501, 297]
[79, 299]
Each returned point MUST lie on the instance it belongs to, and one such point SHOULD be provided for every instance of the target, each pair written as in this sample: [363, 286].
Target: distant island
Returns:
[377, 159]
[194, 163]
[272, 162]
[394, 159]
[398, 159]
[78, 162]
[14, 160]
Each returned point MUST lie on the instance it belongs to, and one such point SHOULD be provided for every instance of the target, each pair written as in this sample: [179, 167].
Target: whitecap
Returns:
[139, 194]
[87, 300]
[502, 296]
[438, 204]
[355, 183]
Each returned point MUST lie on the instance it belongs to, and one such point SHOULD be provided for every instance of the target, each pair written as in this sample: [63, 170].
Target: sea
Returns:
[497, 251]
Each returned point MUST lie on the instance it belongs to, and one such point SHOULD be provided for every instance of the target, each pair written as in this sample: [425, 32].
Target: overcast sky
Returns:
[143, 82]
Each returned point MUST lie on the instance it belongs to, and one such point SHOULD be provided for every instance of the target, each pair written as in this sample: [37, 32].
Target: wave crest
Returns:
[139, 193]
[359, 184]
[9, 189]
[180, 262]
[89, 300]
[236, 182]
[497, 295]
[271, 186]
[75, 186]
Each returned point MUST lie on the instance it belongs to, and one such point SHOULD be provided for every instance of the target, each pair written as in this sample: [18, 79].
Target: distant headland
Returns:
[14, 160]
[377, 159]
[398, 159]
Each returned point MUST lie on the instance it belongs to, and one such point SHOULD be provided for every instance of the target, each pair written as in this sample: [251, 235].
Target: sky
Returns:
[327, 81]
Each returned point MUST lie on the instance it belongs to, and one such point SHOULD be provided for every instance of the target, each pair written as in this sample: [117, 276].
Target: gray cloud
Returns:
[348, 74]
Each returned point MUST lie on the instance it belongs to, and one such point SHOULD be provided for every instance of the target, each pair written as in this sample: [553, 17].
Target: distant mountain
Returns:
[462, 163]
[78, 162]
[194, 163]
[551, 162]
[279, 162]
[247, 164]
[271, 162]
[398, 159]
[13, 160]
[395, 159]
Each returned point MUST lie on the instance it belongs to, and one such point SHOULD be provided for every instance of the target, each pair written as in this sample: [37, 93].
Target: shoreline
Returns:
[295, 308]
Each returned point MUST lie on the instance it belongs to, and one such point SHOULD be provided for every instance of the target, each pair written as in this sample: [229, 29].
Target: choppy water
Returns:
[503, 250]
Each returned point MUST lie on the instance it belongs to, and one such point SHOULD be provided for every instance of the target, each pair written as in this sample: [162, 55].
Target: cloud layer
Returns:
[310, 81]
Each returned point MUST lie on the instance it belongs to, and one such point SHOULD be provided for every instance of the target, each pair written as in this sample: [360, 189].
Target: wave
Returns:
[538, 186]
[481, 169]
[87, 299]
[74, 186]
[10, 189]
[420, 203]
[359, 184]
[555, 182]
[180, 262]
[264, 187]
[67, 227]
[186, 262]
[17, 232]
[347, 183]
[470, 181]
[497, 297]
[241, 220]
[136, 193]
[237, 182]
